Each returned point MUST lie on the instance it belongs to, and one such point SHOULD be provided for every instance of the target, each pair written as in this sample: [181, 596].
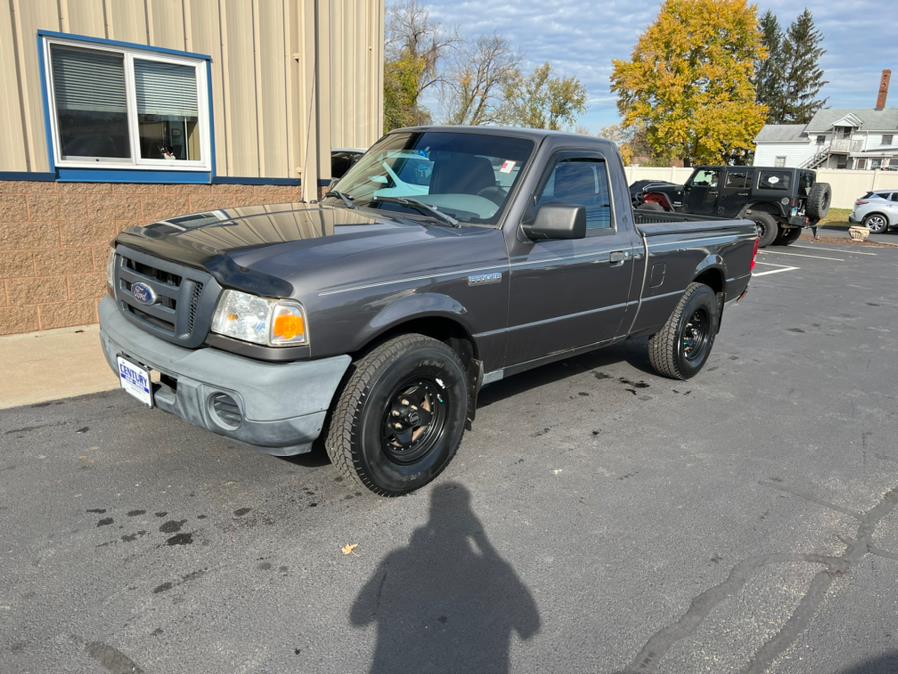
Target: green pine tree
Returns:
[770, 72]
[803, 77]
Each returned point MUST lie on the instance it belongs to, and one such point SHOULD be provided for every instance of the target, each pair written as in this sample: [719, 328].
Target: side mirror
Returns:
[557, 221]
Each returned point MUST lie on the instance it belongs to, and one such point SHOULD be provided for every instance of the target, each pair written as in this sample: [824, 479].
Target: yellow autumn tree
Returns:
[689, 81]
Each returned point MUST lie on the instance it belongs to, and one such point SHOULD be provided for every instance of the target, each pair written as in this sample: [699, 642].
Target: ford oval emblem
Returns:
[143, 293]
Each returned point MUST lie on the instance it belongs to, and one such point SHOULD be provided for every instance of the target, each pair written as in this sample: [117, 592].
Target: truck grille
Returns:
[174, 301]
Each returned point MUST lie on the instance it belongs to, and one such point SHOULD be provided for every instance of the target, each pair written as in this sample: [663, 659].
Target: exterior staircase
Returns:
[818, 159]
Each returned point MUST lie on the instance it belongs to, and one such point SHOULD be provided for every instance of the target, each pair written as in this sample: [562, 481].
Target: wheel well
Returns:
[762, 207]
[444, 329]
[713, 278]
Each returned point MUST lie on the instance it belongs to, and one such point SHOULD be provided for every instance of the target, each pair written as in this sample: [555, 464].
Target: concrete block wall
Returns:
[54, 239]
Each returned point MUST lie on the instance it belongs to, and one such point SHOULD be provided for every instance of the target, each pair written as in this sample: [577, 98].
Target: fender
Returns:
[413, 307]
[774, 208]
[712, 262]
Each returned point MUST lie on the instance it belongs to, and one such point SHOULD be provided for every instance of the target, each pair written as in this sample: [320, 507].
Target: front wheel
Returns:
[682, 347]
[876, 223]
[401, 415]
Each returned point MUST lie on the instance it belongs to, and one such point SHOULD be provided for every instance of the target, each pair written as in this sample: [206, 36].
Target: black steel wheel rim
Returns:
[696, 335]
[414, 419]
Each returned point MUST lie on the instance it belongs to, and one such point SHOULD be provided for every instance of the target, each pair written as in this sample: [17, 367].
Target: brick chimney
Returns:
[883, 89]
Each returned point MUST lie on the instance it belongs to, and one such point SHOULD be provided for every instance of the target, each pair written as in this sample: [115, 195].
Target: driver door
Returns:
[702, 191]
[566, 294]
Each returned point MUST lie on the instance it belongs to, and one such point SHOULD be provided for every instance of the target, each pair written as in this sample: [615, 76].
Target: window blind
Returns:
[86, 80]
[165, 89]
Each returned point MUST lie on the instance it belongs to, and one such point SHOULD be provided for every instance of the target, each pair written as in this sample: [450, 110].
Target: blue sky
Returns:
[581, 37]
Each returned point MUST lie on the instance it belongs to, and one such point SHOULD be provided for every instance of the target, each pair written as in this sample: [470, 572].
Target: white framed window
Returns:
[780, 160]
[114, 107]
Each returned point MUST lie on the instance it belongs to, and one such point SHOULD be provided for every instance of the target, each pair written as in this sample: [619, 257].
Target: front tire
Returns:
[768, 229]
[877, 223]
[400, 417]
[682, 347]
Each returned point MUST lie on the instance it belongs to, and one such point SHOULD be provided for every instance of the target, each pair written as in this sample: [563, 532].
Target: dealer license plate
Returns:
[135, 380]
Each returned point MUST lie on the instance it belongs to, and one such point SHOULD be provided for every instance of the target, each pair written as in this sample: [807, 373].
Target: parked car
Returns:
[640, 187]
[779, 200]
[876, 210]
[342, 160]
[373, 322]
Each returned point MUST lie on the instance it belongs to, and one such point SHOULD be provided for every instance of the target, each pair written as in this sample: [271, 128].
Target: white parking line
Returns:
[834, 250]
[813, 257]
[771, 264]
[774, 271]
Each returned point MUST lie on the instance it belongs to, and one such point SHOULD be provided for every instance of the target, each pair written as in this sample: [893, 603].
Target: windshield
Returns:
[464, 175]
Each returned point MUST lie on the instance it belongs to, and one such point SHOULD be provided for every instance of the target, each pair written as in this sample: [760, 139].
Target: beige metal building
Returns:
[120, 112]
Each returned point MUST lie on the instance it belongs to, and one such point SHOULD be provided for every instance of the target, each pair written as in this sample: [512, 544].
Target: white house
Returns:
[834, 138]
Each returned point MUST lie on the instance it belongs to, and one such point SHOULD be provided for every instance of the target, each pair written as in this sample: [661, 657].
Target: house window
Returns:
[780, 161]
[887, 138]
[860, 164]
[821, 140]
[876, 163]
[114, 107]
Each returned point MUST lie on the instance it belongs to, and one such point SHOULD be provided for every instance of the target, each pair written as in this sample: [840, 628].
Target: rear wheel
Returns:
[767, 227]
[682, 347]
[788, 236]
[401, 415]
[876, 223]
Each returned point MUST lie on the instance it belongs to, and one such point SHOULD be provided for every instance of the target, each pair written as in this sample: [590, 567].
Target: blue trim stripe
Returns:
[232, 180]
[87, 175]
[119, 43]
[28, 177]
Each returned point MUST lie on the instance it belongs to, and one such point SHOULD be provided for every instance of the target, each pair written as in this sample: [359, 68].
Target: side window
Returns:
[780, 160]
[774, 180]
[706, 178]
[580, 182]
[894, 196]
[737, 180]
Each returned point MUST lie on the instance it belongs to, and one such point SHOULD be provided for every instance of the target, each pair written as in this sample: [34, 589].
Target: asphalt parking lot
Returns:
[598, 518]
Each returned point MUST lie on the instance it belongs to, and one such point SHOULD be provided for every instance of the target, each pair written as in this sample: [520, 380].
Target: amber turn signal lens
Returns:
[288, 327]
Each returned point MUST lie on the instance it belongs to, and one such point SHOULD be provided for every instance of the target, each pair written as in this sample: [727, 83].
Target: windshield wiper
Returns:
[421, 207]
[345, 198]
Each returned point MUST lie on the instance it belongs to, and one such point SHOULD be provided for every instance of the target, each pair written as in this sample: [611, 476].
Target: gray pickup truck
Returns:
[444, 260]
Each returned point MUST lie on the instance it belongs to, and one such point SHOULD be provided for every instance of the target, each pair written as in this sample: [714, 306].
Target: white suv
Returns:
[876, 210]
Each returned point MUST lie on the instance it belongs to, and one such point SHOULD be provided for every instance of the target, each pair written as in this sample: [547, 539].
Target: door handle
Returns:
[618, 257]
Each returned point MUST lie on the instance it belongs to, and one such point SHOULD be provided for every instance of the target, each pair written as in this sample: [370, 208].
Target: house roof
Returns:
[870, 120]
[781, 133]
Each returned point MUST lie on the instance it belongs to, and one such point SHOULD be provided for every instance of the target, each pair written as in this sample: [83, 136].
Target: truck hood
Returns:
[268, 250]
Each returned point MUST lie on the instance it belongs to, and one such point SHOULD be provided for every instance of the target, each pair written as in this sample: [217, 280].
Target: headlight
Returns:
[110, 269]
[260, 320]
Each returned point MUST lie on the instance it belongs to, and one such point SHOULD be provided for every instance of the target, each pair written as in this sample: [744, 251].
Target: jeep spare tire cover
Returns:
[819, 200]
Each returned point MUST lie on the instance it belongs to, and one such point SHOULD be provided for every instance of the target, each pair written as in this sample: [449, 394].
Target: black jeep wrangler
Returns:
[779, 200]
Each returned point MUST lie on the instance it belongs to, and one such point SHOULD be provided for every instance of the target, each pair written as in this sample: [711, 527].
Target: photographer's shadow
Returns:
[447, 601]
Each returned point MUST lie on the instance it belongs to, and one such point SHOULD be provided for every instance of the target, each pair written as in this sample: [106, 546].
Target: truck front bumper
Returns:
[281, 406]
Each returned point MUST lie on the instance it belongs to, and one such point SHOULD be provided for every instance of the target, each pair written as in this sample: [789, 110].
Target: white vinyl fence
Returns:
[847, 185]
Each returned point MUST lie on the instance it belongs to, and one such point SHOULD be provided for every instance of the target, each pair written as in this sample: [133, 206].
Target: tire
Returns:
[877, 223]
[669, 352]
[819, 200]
[768, 229]
[399, 380]
[788, 236]
[651, 206]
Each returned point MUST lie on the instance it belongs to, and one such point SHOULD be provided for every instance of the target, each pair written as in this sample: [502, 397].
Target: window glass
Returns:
[774, 180]
[780, 161]
[465, 175]
[580, 182]
[705, 178]
[861, 164]
[91, 107]
[887, 138]
[737, 180]
[894, 196]
[167, 110]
